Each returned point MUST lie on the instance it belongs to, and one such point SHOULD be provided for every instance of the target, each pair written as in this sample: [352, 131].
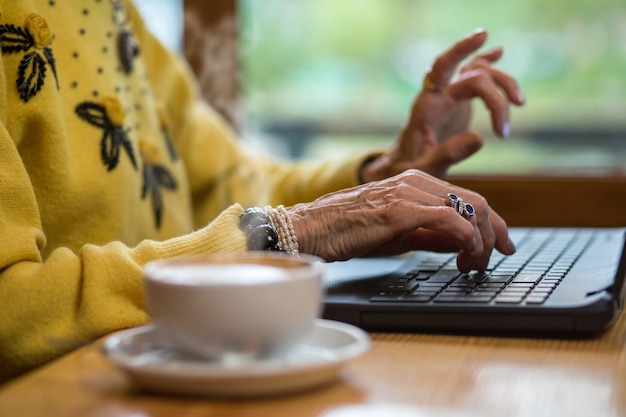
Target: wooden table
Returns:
[402, 375]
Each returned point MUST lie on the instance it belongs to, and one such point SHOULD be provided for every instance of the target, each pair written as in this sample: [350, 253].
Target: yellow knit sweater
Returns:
[108, 160]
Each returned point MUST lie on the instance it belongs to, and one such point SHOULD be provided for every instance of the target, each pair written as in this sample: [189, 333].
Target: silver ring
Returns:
[464, 209]
[455, 202]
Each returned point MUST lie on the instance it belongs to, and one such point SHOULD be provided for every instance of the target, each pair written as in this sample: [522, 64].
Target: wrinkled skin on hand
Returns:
[398, 214]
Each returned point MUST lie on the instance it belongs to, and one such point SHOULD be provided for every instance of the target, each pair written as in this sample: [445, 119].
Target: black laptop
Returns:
[561, 282]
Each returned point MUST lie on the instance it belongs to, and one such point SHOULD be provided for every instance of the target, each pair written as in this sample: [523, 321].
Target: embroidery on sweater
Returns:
[31, 72]
[155, 176]
[127, 48]
[109, 116]
[165, 123]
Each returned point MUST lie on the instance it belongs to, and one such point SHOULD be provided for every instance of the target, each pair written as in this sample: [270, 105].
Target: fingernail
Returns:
[506, 128]
[512, 247]
[520, 98]
[478, 31]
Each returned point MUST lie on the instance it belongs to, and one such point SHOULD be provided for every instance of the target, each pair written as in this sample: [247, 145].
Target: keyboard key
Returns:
[524, 277]
[387, 296]
[536, 299]
[444, 276]
[461, 284]
[432, 284]
[508, 299]
[541, 291]
[520, 285]
[416, 298]
[422, 276]
[456, 289]
[480, 291]
[498, 278]
[400, 286]
[447, 299]
[491, 285]
[425, 292]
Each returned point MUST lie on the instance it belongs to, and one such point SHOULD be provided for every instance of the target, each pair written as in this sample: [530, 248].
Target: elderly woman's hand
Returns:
[410, 211]
[436, 136]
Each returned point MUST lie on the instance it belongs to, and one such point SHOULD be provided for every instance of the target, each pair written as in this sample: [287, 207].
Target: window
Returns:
[326, 77]
[165, 19]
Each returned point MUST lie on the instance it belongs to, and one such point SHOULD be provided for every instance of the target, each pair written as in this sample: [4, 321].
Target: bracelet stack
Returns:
[269, 229]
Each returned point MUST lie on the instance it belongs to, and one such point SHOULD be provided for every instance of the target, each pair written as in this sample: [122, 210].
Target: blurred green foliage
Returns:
[347, 58]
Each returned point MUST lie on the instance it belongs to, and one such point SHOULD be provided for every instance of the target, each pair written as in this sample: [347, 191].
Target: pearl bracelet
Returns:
[280, 220]
[269, 229]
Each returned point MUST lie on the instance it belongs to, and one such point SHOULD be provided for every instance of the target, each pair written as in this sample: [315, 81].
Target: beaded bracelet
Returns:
[269, 229]
[280, 220]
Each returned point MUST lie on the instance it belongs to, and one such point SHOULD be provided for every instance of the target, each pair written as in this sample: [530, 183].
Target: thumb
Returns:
[457, 148]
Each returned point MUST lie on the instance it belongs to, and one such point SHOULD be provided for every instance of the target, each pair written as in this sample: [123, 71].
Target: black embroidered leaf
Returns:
[109, 151]
[50, 57]
[155, 176]
[30, 75]
[164, 177]
[150, 183]
[113, 136]
[93, 113]
[14, 39]
[123, 140]
[171, 150]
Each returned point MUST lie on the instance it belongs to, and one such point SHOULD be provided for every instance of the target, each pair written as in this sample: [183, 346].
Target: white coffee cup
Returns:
[233, 307]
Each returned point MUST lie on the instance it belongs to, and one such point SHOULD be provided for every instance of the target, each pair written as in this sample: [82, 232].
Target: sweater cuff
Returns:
[222, 235]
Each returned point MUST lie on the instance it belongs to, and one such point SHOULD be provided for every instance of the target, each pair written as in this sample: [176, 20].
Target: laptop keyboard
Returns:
[543, 259]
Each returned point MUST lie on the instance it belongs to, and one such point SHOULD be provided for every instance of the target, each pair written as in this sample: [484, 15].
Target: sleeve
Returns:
[221, 171]
[53, 305]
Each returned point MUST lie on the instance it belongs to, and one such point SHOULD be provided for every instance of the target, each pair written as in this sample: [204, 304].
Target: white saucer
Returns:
[316, 360]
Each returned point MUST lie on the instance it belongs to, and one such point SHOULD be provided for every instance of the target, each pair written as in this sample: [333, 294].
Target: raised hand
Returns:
[436, 135]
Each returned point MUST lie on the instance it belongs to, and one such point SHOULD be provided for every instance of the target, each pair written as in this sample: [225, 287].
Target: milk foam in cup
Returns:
[233, 307]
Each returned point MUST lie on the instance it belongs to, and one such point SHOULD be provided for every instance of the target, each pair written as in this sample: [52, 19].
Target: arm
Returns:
[54, 300]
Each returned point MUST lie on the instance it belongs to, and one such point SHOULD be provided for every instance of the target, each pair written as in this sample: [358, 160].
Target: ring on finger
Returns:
[429, 85]
[455, 202]
[468, 210]
[464, 209]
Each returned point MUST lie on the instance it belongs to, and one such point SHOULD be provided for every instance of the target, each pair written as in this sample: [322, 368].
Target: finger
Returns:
[456, 149]
[479, 258]
[504, 81]
[478, 84]
[446, 64]
[485, 236]
[426, 197]
[504, 244]
[444, 219]
[494, 233]
[492, 229]
[491, 56]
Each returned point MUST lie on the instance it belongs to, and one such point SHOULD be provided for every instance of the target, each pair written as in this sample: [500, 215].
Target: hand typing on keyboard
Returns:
[410, 211]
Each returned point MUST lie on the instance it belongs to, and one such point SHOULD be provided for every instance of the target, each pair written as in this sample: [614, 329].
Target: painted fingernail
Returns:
[506, 129]
[478, 31]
